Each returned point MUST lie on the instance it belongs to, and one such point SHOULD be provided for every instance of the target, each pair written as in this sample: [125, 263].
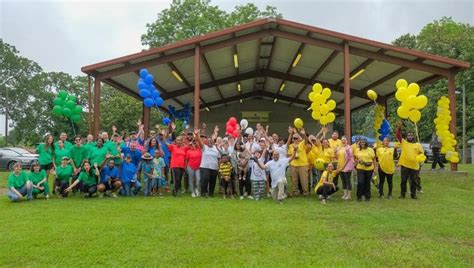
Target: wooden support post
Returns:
[197, 84]
[96, 128]
[89, 104]
[146, 120]
[347, 95]
[452, 108]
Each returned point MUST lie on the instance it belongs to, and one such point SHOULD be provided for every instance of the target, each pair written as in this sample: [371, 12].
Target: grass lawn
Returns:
[435, 230]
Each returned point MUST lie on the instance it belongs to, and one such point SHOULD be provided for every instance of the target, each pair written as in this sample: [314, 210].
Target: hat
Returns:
[133, 133]
[147, 156]
[128, 156]
[65, 158]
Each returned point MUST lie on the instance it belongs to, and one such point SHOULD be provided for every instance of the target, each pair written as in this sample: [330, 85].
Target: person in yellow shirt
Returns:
[409, 167]
[365, 159]
[355, 149]
[334, 141]
[386, 166]
[326, 186]
[299, 165]
[327, 153]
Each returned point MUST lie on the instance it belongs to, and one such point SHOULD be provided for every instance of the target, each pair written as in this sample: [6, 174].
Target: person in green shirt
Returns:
[114, 146]
[88, 177]
[63, 138]
[46, 152]
[89, 143]
[98, 154]
[19, 185]
[63, 174]
[59, 152]
[78, 154]
[39, 181]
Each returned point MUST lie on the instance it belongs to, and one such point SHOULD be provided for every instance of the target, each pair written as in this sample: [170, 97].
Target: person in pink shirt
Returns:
[193, 162]
[178, 155]
[346, 170]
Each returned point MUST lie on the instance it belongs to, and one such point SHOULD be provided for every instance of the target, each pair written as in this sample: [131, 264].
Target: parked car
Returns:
[428, 151]
[11, 155]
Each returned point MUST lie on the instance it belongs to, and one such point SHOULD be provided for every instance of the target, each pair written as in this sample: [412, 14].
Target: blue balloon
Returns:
[149, 79]
[159, 101]
[148, 102]
[141, 85]
[166, 121]
[143, 73]
[144, 93]
[155, 94]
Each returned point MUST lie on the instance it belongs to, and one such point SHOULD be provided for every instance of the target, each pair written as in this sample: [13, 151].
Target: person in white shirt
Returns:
[251, 145]
[277, 168]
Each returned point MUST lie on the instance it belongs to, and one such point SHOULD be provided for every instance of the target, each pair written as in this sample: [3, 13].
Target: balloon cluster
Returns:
[384, 130]
[244, 126]
[411, 104]
[183, 114]
[231, 127]
[146, 89]
[381, 125]
[442, 120]
[321, 106]
[65, 105]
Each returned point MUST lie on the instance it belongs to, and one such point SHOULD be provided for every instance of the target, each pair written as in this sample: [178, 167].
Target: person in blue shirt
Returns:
[166, 154]
[147, 170]
[134, 153]
[128, 177]
[109, 179]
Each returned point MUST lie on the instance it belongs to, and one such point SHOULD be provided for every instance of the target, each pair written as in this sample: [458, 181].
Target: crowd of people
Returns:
[253, 166]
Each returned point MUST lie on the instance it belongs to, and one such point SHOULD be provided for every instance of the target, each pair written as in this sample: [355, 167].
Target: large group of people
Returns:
[253, 166]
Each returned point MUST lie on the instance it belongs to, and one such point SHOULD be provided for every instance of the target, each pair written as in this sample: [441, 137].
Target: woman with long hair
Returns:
[88, 177]
[365, 159]
[39, 181]
[177, 165]
[326, 186]
[345, 165]
[193, 162]
[46, 152]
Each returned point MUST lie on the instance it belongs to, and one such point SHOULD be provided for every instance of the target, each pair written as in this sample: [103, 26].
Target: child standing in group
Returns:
[258, 176]
[159, 180]
[225, 173]
[147, 169]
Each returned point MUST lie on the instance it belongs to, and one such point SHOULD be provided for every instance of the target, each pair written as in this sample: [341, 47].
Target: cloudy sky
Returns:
[66, 35]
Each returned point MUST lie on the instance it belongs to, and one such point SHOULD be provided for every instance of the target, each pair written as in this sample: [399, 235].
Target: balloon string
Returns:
[73, 129]
[416, 131]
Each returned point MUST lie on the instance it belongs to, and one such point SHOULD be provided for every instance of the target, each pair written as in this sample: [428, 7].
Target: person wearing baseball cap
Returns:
[63, 174]
[128, 176]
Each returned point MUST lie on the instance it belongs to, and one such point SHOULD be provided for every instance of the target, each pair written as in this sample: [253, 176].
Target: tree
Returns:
[188, 18]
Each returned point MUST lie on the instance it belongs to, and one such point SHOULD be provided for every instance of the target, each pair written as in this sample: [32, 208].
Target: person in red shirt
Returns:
[177, 165]
[193, 162]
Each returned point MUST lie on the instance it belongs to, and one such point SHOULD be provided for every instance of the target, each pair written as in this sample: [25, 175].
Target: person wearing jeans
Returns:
[365, 160]
[88, 177]
[409, 167]
[193, 162]
[178, 154]
[345, 167]
[128, 175]
[326, 186]
[386, 163]
[19, 185]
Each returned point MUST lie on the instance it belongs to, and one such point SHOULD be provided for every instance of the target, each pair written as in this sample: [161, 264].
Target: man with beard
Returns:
[409, 167]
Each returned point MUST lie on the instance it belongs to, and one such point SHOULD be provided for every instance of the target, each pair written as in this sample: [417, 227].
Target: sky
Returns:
[66, 35]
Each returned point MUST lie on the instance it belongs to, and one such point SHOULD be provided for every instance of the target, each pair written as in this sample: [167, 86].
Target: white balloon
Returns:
[244, 123]
[249, 131]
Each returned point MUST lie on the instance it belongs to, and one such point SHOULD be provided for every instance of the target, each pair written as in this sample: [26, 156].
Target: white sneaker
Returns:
[225, 197]
[245, 194]
[114, 195]
[250, 197]
[269, 194]
[241, 197]
[193, 195]
[47, 196]
[323, 201]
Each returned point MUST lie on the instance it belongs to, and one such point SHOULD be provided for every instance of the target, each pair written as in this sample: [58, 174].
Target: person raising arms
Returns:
[299, 165]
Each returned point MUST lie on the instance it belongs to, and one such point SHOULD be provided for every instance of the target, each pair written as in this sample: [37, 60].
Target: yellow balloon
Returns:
[402, 94]
[319, 164]
[454, 160]
[316, 115]
[311, 96]
[331, 117]
[403, 112]
[298, 123]
[318, 98]
[323, 120]
[413, 89]
[372, 94]
[324, 109]
[401, 83]
[411, 101]
[421, 102]
[317, 88]
[326, 93]
[414, 116]
[315, 107]
[331, 104]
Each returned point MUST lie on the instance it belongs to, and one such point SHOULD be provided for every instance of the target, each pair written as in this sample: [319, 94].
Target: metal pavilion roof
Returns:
[259, 59]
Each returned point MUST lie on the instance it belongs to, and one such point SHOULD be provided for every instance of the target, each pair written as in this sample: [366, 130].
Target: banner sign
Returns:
[256, 116]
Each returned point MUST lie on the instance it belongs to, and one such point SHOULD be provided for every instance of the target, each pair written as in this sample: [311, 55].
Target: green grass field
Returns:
[435, 230]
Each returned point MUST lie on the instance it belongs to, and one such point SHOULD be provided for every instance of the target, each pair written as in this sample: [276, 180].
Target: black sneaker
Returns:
[402, 196]
[414, 197]
[359, 199]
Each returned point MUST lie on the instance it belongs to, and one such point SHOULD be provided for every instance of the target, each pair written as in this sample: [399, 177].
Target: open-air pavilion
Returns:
[273, 60]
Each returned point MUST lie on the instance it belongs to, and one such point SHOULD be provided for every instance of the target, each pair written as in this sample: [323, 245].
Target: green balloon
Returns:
[62, 94]
[75, 118]
[67, 112]
[72, 98]
[78, 109]
[70, 104]
[58, 102]
[57, 110]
